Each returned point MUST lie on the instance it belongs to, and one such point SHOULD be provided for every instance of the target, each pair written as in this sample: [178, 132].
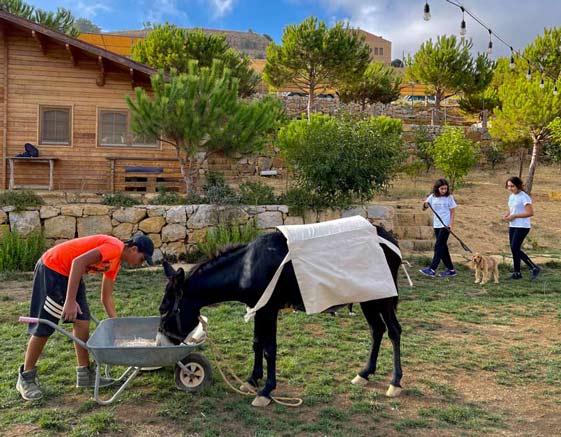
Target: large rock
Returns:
[329, 214]
[176, 214]
[350, 212]
[156, 239]
[155, 211]
[379, 211]
[129, 215]
[4, 229]
[3, 217]
[204, 216]
[269, 219]
[60, 227]
[173, 232]
[123, 231]
[72, 210]
[48, 211]
[24, 222]
[196, 236]
[177, 248]
[97, 209]
[94, 225]
[152, 225]
[293, 220]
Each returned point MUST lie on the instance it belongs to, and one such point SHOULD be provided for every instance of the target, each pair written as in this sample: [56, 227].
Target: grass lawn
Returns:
[476, 360]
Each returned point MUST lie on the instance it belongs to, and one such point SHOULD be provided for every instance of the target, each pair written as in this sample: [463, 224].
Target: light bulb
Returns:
[555, 90]
[542, 84]
[529, 74]
[490, 48]
[463, 30]
[426, 14]
[511, 65]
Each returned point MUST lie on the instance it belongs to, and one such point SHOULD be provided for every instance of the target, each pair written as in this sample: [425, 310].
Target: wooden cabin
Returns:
[67, 98]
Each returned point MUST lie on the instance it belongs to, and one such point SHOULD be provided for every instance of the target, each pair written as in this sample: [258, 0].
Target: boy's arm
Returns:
[452, 212]
[107, 286]
[79, 267]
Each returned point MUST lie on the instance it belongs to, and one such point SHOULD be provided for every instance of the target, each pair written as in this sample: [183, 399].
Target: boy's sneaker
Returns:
[447, 273]
[26, 385]
[85, 377]
[428, 272]
[535, 272]
[515, 275]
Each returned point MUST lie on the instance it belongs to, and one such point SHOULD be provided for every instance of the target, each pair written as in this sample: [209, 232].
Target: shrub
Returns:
[224, 235]
[20, 199]
[342, 160]
[493, 155]
[165, 197]
[256, 193]
[119, 199]
[423, 146]
[18, 253]
[218, 192]
[454, 154]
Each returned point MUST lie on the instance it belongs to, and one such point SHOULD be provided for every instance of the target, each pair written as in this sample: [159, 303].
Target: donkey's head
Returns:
[178, 316]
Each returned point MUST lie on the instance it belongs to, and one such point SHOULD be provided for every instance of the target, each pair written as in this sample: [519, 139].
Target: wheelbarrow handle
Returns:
[71, 336]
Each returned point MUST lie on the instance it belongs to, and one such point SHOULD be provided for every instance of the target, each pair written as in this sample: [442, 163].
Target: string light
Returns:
[542, 84]
[426, 14]
[512, 64]
[529, 73]
[490, 46]
[555, 90]
[463, 30]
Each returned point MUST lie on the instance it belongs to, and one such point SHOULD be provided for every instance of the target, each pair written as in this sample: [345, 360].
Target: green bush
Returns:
[340, 159]
[119, 199]
[423, 147]
[454, 154]
[165, 197]
[224, 235]
[218, 192]
[20, 199]
[18, 253]
[493, 155]
[256, 193]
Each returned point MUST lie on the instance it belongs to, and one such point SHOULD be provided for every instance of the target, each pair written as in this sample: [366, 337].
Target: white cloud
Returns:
[401, 21]
[221, 7]
[82, 9]
[157, 11]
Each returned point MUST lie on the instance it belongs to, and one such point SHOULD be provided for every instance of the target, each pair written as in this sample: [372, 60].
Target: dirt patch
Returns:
[19, 291]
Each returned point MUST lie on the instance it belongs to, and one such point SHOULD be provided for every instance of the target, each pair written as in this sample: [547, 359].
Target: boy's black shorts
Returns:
[47, 300]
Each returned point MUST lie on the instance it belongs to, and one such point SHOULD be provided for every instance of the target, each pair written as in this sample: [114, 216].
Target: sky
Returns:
[517, 22]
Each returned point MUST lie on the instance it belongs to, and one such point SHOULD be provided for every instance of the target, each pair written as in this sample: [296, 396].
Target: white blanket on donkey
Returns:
[335, 263]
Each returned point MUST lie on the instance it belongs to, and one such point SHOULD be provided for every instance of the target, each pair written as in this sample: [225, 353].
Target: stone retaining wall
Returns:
[175, 230]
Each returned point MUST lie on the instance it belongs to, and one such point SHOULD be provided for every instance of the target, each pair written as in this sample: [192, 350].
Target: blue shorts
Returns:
[47, 299]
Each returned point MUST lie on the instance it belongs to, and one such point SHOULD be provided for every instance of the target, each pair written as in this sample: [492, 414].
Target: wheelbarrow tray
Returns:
[102, 343]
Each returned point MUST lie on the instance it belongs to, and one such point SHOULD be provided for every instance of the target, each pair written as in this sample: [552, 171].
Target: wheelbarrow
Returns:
[108, 346]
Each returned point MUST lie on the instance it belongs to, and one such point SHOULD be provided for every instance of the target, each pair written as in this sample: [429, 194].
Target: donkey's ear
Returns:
[168, 270]
[180, 275]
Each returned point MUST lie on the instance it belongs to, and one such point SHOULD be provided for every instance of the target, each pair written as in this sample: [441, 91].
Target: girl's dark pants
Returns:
[441, 252]
[516, 237]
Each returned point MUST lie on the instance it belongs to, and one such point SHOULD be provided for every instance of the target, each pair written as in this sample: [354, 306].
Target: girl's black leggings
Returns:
[516, 237]
[441, 252]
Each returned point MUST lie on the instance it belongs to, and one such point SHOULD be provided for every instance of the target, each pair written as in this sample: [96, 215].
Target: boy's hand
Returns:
[70, 311]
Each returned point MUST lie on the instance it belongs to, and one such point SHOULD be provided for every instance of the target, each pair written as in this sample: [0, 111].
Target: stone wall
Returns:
[175, 230]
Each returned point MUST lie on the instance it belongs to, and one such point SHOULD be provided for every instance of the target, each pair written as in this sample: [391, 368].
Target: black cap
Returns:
[144, 245]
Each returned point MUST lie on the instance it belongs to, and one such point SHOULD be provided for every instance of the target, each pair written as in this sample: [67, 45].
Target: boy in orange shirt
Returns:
[60, 293]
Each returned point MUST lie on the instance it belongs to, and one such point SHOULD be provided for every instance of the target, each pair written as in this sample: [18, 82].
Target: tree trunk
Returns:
[311, 96]
[521, 153]
[533, 164]
[437, 100]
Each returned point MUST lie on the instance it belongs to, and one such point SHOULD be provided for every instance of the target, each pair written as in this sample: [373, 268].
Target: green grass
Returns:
[453, 330]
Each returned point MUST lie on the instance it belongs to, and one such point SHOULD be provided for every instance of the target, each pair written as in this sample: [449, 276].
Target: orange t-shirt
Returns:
[59, 258]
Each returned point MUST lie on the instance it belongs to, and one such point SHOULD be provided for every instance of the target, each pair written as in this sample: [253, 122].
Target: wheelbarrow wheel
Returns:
[196, 375]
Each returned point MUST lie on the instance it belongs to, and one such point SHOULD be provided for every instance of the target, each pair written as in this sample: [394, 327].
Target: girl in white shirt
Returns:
[444, 205]
[520, 211]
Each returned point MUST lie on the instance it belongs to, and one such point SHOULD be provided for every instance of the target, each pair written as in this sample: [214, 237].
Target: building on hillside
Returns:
[67, 98]
[252, 44]
[381, 48]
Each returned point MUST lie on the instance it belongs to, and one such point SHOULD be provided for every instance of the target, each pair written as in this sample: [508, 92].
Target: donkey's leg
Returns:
[257, 372]
[394, 332]
[266, 327]
[377, 329]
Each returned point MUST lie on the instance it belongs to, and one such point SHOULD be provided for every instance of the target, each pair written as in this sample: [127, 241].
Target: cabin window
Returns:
[55, 125]
[114, 130]
[375, 50]
[381, 51]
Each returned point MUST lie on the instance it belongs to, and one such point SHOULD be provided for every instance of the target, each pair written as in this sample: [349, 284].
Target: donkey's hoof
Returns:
[359, 380]
[261, 401]
[246, 387]
[393, 391]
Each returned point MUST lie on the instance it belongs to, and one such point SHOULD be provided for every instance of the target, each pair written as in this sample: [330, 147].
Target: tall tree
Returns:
[447, 67]
[528, 106]
[378, 84]
[61, 20]
[200, 113]
[83, 25]
[313, 57]
[168, 47]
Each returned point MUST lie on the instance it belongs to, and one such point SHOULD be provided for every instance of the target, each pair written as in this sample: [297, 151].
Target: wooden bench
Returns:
[144, 178]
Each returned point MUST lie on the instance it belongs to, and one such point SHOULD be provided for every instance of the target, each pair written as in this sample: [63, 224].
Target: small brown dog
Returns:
[484, 267]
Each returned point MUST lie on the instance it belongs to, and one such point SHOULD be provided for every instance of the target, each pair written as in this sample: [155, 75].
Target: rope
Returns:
[406, 272]
[286, 401]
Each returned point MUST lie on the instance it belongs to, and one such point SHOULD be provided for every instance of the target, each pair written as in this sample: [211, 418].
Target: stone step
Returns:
[416, 245]
[414, 232]
[407, 219]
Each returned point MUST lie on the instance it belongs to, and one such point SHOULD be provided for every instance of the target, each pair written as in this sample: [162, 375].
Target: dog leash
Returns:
[464, 245]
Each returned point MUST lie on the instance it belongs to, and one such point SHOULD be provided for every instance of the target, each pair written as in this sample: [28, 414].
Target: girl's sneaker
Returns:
[447, 273]
[535, 272]
[428, 272]
[515, 275]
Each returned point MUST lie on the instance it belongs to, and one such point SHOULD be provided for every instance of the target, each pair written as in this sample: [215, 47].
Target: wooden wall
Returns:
[36, 79]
